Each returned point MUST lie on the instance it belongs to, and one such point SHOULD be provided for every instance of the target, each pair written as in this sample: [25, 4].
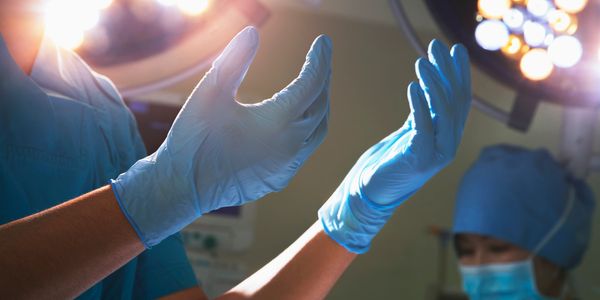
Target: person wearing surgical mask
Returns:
[85, 212]
[521, 224]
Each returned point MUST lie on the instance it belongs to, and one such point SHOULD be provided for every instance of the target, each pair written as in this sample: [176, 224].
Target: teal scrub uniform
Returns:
[64, 131]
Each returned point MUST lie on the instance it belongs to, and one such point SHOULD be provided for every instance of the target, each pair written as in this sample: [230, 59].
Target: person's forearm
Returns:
[308, 269]
[62, 251]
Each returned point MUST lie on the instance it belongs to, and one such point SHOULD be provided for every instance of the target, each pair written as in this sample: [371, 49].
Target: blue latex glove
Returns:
[392, 170]
[220, 152]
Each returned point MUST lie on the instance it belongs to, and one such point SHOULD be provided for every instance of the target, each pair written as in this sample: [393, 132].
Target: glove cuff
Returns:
[153, 211]
[115, 188]
[353, 220]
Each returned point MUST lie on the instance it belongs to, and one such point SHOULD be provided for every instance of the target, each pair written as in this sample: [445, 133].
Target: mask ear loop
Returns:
[548, 237]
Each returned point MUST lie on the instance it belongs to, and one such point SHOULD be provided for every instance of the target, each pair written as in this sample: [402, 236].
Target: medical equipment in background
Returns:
[440, 290]
[545, 50]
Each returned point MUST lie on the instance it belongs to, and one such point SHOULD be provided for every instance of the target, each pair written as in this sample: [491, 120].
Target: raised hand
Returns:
[220, 152]
[395, 168]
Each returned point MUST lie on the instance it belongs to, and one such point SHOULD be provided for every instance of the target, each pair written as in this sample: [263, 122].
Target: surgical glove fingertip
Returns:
[460, 56]
[430, 82]
[295, 98]
[424, 70]
[419, 70]
[324, 46]
[460, 53]
[412, 94]
[233, 63]
[245, 40]
[318, 59]
[432, 44]
[438, 51]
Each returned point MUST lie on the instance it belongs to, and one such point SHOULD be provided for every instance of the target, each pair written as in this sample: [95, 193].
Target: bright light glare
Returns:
[571, 6]
[548, 39]
[167, 2]
[513, 46]
[491, 35]
[75, 13]
[514, 19]
[565, 51]
[536, 64]
[559, 20]
[538, 8]
[66, 21]
[534, 33]
[573, 28]
[192, 7]
[100, 4]
[65, 36]
[493, 9]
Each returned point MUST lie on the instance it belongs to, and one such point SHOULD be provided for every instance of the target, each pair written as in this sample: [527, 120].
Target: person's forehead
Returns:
[471, 237]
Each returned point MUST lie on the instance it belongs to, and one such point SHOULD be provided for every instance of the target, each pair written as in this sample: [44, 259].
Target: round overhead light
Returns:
[491, 34]
[538, 8]
[514, 46]
[534, 33]
[571, 6]
[559, 20]
[493, 9]
[543, 74]
[536, 64]
[565, 51]
[514, 19]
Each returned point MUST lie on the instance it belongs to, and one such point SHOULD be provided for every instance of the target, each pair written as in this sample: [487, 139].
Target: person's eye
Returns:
[499, 248]
[465, 252]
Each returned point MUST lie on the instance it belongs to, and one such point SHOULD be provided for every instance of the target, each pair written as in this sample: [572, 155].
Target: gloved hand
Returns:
[220, 152]
[395, 168]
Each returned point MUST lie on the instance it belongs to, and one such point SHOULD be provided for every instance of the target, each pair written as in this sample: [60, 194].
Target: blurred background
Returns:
[373, 64]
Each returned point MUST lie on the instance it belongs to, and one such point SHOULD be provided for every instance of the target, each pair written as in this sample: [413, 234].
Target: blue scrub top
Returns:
[64, 131]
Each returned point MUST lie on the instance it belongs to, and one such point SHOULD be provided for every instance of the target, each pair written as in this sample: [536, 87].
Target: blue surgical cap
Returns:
[523, 197]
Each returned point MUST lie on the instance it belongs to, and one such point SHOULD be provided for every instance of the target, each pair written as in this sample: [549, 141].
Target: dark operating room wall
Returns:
[372, 66]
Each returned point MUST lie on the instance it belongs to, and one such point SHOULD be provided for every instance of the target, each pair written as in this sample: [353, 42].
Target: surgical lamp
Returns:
[546, 50]
[148, 45]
